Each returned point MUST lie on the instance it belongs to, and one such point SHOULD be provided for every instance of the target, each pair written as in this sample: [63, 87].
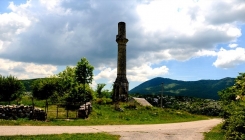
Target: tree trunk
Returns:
[84, 94]
[46, 108]
[57, 111]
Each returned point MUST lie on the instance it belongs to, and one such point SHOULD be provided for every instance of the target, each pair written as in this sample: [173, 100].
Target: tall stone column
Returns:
[120, 88]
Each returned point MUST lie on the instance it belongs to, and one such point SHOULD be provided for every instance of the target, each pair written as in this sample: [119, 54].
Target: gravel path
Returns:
[172, 131]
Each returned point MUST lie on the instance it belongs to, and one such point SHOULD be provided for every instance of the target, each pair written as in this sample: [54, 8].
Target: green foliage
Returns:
[215, 134]
[106, 115]
[67, 79]
[99, 90]
[190, 104]
[103, 96]
[43, 89]
[75, 81]
[84, 75]
[206, 89]
[78, 94]
[10, 88]
[233, 104]
[88, 136]
[103, 101]
[27, 83]
[84, 72]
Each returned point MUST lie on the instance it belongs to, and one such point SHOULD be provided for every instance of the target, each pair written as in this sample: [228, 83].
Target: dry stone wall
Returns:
[13, 112]
[84, 110]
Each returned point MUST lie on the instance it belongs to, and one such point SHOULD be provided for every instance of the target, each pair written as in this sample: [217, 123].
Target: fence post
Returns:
[57, 111]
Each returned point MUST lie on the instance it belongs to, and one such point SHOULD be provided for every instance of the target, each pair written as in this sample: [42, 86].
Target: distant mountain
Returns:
[207, 89]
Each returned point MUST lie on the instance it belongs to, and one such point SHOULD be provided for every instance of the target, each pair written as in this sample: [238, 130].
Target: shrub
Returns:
[233, 105]
[103, 101]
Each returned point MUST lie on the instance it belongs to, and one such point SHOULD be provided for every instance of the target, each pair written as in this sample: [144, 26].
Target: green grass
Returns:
[215, 134]
[106, 115]
[89, 136]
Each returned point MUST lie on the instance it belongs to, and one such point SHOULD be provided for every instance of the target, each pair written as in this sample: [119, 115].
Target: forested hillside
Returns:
[27, 83]
[207, 89]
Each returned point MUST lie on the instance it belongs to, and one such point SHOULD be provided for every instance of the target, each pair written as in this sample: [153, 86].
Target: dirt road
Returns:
[172, 131]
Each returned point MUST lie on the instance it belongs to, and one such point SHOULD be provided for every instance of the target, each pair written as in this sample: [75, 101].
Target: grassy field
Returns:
[101, 115]
[106, 115]
[92, 136]
[215, 134]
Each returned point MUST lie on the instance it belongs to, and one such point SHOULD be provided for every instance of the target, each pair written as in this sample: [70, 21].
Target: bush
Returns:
[103, 101]
[233, 105]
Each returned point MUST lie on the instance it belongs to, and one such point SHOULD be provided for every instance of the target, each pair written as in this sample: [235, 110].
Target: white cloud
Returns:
[50, 4]
[12, 24]
[60, 32]
[134, 74]
[206, 53]
[182, 29]
[145, 72]
[106, 73]
[230, 58]
[26, 70]
[233, 45]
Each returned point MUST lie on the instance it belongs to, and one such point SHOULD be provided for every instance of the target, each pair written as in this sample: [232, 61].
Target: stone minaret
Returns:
[120, 88]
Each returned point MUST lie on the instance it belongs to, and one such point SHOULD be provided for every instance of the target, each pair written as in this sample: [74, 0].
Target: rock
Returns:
[11, 112]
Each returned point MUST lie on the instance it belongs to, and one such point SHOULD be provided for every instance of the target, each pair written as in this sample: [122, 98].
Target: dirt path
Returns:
[173, 131]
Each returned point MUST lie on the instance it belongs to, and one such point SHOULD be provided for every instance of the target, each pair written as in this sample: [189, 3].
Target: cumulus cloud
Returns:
[60, 32]
[145, 72]
[228, 11]
[230, 58]
[83, 28]
[233, 45]
[25, 70]
[107, 73]
[134, 74]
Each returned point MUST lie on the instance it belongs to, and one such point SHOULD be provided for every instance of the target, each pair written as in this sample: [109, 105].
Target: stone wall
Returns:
[84, 110]
[13, 112]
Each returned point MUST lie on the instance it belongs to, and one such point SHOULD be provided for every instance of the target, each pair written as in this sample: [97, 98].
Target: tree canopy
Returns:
[233, 105]
[84, 75]
[84, 72]
[10, 88]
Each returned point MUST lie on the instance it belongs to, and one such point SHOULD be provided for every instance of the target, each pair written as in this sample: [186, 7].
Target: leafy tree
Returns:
[106, 93]
[99, 89]
[71, 88]
[84, 75]
[67, 79]
[76, 96]
[233, 104]
[43, 89]
[10, 88]
[104, 96]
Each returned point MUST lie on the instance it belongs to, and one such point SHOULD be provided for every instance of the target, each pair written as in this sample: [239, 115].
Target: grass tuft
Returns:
[215, 134]
[88, 136]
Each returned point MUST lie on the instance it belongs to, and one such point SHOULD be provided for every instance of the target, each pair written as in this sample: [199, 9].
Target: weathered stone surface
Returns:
[12, 112]
[84, 110]
[120, 90]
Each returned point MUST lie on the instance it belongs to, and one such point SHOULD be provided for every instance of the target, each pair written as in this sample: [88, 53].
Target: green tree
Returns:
[10, 88]
[67, 79]
[76, 96]
[106, 93]
[233, 105]
[99, 90]
[45, 88]
[84, 75]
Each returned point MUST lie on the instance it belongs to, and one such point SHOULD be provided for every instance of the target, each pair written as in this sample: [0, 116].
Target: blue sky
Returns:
[179, 39]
